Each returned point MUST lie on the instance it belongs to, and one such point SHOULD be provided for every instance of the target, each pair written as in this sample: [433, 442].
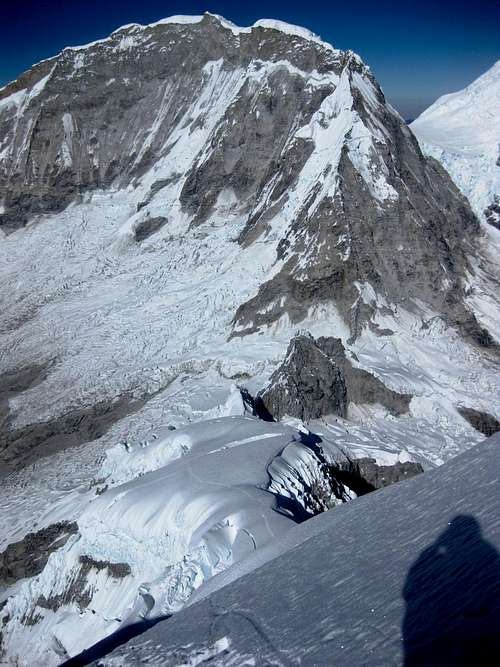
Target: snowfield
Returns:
[462, 131]
[121, 308]
[386, 579]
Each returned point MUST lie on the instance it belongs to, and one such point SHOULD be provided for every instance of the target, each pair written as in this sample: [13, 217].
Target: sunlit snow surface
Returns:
[337, 589]
[462, 131]
[192, 507]
[155, 318]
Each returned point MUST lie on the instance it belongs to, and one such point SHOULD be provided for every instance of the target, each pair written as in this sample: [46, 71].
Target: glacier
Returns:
[186, 219]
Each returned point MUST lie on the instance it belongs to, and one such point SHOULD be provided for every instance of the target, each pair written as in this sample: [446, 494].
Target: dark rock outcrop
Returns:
[255, 405]
[481, 421]
[78, 590]
[316, 378]
[29, 556]
[365, 474]
[115, 570]
[492, 213]
[22, 446]
[307, 385]
[148, 227]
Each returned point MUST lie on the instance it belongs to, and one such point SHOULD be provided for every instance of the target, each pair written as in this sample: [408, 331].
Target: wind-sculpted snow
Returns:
[167, 513]
[195, 503]
[462, 131]
[407, 575]
[176, 201]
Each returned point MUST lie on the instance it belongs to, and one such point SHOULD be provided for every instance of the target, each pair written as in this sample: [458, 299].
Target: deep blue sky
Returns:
[417, 50]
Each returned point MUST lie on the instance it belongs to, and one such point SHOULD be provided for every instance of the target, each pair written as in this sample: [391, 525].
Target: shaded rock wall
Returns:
[316, 378]
[481, 421]
[29, 556]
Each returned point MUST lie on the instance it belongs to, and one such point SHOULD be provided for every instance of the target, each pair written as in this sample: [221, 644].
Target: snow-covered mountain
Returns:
[200, 225]
[462, 131]
[334, 591]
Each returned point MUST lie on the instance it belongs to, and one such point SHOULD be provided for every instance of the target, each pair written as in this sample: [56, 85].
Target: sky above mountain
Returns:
[418, 51]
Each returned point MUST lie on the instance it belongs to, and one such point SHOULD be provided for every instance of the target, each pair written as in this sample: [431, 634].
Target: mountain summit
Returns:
[267, 131]
[462, 131]
[202, 224]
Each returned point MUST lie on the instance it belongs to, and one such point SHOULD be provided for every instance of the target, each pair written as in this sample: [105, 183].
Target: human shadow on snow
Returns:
[452, 595]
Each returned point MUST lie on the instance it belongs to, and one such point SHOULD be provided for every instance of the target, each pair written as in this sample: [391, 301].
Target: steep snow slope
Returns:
[170, 217]
[408, 574]
[462, 131]
[186, 215]
[169, 513]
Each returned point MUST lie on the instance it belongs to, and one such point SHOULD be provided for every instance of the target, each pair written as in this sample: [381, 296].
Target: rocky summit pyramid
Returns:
[200, 221]
[295, 138]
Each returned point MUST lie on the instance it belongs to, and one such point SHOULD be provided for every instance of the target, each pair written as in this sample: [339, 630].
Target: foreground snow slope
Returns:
[183, 505]
[389, 575]
[176, 201]
[462, 131]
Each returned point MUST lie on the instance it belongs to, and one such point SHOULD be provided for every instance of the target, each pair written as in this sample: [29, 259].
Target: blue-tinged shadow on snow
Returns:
[452, 595]
[108, 644]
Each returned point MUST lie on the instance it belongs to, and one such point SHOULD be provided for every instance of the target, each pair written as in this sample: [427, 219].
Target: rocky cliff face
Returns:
[316, 379]
[104, 114]
[176, 200]
[298, 135]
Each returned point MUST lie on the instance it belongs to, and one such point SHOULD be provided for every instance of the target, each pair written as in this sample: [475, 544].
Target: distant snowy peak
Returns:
[462, 131]
[197, 117]
[484, 87]
[467, 120]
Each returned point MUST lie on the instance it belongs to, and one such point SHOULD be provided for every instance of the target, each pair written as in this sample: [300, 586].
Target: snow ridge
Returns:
[179, 490]
[181, 19]
[462, 131]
